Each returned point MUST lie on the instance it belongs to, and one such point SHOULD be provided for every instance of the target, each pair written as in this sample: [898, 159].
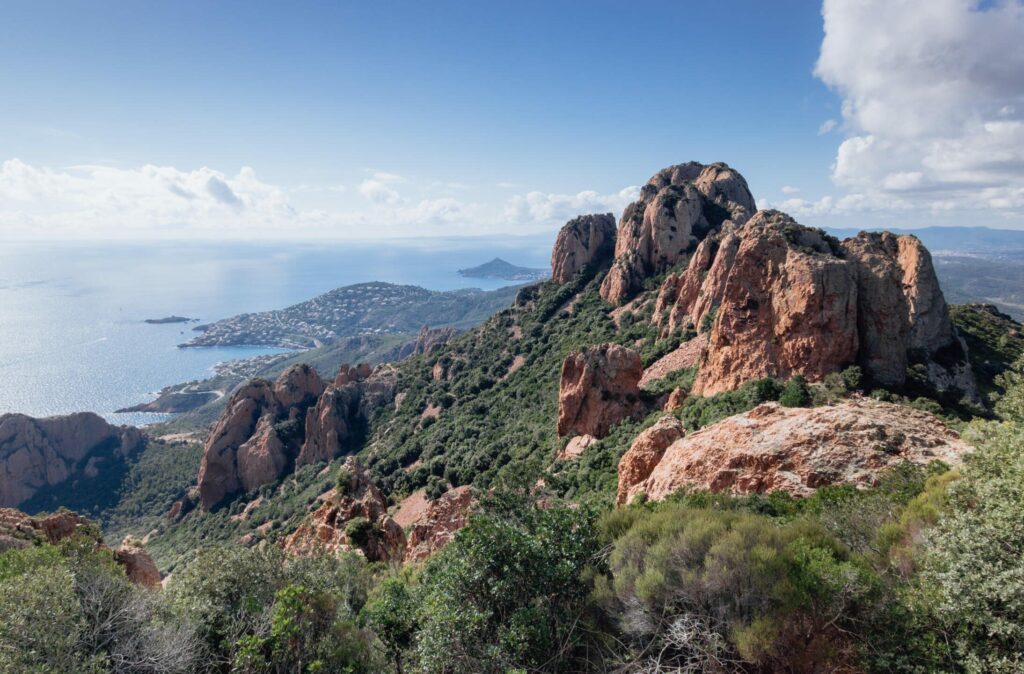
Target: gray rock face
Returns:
[35, 453]
[678, 207]
[585, 240]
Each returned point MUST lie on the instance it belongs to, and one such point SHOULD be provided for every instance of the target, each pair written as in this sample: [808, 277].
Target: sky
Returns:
[368, 120]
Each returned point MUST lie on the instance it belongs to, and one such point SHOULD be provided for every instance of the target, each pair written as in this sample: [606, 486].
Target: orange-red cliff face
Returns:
[770, 297]
[37, 453]
[678, 207]
[599, 387]
[583, 241]
[268, 429]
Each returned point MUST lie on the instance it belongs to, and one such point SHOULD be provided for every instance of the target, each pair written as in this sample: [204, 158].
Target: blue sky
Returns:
[345, 119]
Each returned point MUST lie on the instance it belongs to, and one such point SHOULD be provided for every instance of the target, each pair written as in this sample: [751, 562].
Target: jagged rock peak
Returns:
[773, 298]
[678, 207]
[584, 240]
[267, 429]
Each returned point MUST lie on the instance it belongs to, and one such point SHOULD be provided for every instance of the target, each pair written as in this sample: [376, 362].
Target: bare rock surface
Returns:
[353, 518]
[436, 527]
[37, 453]
[138, 565]
[599, 387]
[795, 450]
[268, 429]
[585, 240]
[645, 453]
[773, 298]
[678, 207]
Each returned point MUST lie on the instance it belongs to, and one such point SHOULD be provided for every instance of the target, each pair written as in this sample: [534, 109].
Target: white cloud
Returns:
[98, 201]
[789, 189]
[549, 209]
[378, 192]
[931, 92]
[827, 126]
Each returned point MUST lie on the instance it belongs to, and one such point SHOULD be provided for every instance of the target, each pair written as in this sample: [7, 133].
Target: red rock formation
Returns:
[678, 207]
[430, 340]
[138, 565]
[437, 526]
[645, 453]
[36, 453]
[599, 387]
[585, 240]
[354, 517]
[795, 450]
[268, 428]
[774, 298]
[18, 530]
[903, 316]
[575, 447]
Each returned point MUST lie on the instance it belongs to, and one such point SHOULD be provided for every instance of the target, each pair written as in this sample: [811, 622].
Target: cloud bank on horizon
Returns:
[932, 102]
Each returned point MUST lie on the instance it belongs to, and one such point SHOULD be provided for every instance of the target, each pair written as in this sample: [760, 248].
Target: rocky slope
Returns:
[599, 388]
[18, 530]
[795, 450]
[269, 428]
[36, 453]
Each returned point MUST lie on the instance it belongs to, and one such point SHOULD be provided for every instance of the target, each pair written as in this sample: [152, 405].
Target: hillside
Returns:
[716, 440]
[357, 310]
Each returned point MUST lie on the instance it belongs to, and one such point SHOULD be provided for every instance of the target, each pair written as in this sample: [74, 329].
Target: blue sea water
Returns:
[72, 330]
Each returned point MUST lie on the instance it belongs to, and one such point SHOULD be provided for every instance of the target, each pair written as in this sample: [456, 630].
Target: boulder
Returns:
[138, 565]
[795, 450]
[645, 453]
[599, 387]
[587, 240]
[37, 453]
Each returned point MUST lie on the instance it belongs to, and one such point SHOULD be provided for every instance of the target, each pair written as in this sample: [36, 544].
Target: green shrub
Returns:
[796, 393]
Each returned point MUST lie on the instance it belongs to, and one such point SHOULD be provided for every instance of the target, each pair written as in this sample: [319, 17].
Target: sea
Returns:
[73, 335]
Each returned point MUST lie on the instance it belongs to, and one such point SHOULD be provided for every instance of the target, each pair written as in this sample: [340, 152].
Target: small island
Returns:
[505, 271]
[171, 319]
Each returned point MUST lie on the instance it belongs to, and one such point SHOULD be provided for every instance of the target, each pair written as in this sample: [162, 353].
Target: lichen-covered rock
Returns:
[587, 240]
[645, 453]
[795, 450]
[678, 207]
[599, 387]
[37, 453]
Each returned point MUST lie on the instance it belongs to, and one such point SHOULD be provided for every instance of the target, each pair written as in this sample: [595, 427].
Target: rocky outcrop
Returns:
[645, 453]
[38, 453]
[439, 523]
[902, 314]
[678, 207]
[18, 530]
[138, 565]
[599, 387]
[268, 429]
[588, 240]
[430, 340]
[795, 450]
[353, 518]
[773, 298]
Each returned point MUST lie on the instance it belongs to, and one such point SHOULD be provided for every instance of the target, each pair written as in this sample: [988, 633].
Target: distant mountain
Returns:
[957, 239]
[506, 271]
